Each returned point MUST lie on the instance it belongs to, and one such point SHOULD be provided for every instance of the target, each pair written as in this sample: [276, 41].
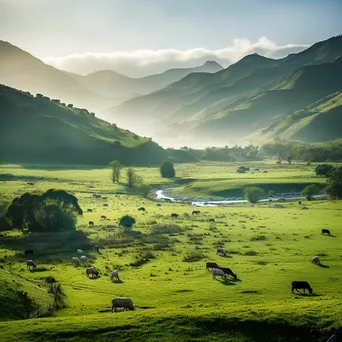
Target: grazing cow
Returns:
[92, 271]
[301, 285]
[228, 271]
[141, 209]
[217, 272]
[79, 252]
[30, 183]
[115, 274]
[257, 170]
[91, 223]
[265, 171]
[98, 196]
[326, 231]
[300, 202]
[196, 212]
[211, 220]
[158, 205]
[103, 216]
[211, 265]
[220, 250]
[315, 260]
[174, 215]
[84, 260]
[97, 249]
[31, 263]
[94, 195]
[89, 210]
[105, 204]
[28, 252]
[125, 303]
[76, 261]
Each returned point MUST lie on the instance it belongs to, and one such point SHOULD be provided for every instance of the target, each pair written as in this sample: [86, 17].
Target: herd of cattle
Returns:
[126, 303]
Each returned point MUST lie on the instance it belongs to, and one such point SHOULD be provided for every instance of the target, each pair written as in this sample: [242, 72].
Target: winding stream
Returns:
[213, 203]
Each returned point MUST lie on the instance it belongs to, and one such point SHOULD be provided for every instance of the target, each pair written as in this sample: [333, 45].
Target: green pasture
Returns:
[178, 300]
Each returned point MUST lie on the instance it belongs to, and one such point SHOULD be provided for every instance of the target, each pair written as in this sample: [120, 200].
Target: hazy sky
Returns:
[142, 36]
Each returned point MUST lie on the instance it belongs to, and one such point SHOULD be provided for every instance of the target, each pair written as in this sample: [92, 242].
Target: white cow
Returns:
[315, 260]
[79, 252]
[84, 260]
[217, 272]
[75, 261]
[114, 274]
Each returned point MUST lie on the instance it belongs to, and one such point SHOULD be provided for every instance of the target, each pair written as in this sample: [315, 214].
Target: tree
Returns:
[253, 194]
[334, 187]
[309, 191]
[144, 190]
[132, 178]
[167, 170]
[324, 170]
[116, 170]
[127, 222]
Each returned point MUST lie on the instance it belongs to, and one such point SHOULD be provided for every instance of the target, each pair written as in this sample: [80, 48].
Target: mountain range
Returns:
[248, 101]
[96, 91]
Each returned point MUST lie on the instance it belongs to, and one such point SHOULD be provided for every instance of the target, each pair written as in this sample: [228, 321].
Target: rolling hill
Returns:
[36, 129]
[20, 70]
[110, 83]
[229, 105]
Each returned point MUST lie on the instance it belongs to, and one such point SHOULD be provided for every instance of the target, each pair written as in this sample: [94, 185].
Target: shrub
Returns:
[167, 170]
[193, 256]
[166, 229]
[253, 194]
[127, 222]
[334, 187]
[324, 170]
[309, 191]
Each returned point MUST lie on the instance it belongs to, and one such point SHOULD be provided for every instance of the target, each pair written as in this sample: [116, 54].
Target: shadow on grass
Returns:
[226, 282]
[251, 292]
[330, 235]
[38, 269]
[323, 266]
[301, 294]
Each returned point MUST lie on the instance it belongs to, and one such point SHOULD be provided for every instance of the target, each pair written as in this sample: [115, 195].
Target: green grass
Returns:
[176, 300]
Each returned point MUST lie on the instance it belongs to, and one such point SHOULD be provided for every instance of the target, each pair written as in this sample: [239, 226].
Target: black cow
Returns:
[228, 271]
[196, 212]
[211, 265]
[141, 209]
[300, 202]
[301, 285]
[89, 210]
[30, 183]
[103, 216]
[91, 223]
[105, 204]
[158, 205]
[174, 215]
[28, 252]
[326, 231]
[212, 220]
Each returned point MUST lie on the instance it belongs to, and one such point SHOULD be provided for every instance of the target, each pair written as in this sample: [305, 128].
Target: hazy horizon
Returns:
[139, 38]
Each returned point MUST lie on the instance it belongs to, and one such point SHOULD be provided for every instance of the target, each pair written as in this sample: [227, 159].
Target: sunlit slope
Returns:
[19, 296]
[39, 130]
[251, 94]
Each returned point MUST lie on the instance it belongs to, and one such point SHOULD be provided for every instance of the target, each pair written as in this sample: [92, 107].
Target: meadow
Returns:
[162, 261]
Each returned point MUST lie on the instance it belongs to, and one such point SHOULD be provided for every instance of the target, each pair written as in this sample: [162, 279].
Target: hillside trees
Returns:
[334, 187]
[116, 170]
[133, 180]
[167, 170]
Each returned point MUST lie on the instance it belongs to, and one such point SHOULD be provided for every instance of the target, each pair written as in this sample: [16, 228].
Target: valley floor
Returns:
[162, 262]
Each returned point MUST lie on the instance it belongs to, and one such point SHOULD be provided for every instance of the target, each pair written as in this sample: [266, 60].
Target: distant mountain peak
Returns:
[213, 64]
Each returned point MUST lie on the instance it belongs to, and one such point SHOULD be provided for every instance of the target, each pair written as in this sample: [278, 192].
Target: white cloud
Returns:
[143, 62]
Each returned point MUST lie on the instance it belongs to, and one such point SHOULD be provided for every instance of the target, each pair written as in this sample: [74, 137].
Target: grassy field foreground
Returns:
[162, 268]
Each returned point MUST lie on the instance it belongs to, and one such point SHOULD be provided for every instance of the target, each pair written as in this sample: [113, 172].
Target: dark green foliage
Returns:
[51, 211]
[323, 169]
[310, 191]
[142, 259]
[70, 105]
[166, 229]
[127, 222]
[167, 170]
[253, 194]
[58, 294]
[334, 187]
[34, 130]
[143, 190]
